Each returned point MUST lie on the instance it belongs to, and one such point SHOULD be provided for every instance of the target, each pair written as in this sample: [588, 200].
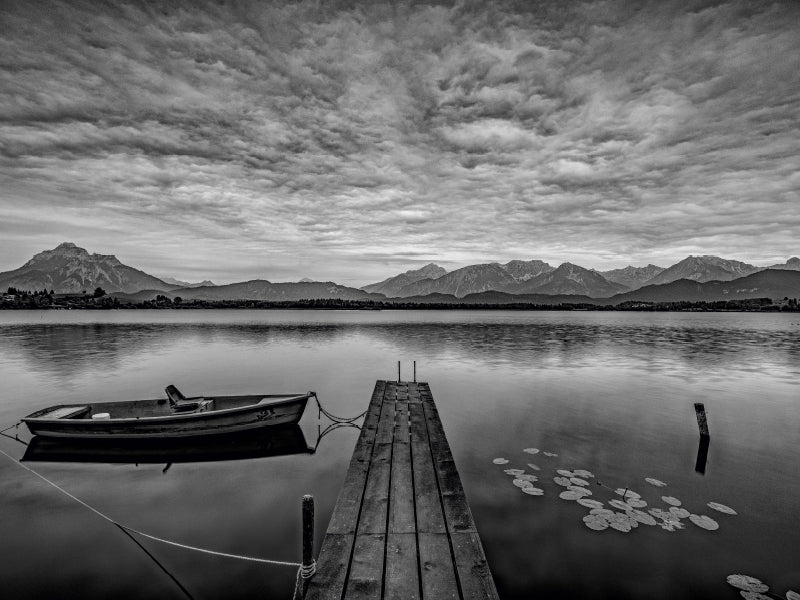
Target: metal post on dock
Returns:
[702, 422]
[308, 541]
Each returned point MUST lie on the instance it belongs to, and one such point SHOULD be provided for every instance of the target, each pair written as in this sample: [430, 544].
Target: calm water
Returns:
[607, 392]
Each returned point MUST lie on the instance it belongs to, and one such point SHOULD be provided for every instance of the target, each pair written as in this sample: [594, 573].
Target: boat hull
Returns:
[206, 421]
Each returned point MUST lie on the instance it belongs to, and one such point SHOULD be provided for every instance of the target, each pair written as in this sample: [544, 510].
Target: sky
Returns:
[351, 141]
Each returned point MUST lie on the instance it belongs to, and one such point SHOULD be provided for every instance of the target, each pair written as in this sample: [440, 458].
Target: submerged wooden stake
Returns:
[308, 536]
[702, 422]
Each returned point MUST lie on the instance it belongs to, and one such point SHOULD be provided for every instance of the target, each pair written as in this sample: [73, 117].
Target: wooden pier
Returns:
[402, 528]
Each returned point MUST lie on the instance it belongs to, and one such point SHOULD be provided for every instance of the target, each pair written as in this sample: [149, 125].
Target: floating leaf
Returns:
[534, 467]
[723, 509]
[626, 493]
[578, 481]
[500, 461]
[562, 481]
[641, 517]
[704, 522]
[679, 512]
[672, 500]
[595, 522]
[579, 490]
[618, 504]
[550, 454]
[636, 502]
[527, 477]
[623, 526]
[533, 491]
[565, 473]
[583, 473]
[753, 596]
[569, 495]
[590, 503]
[514, 472]
[531, 450]
[667, 526]
[521, 483]
[655, 482]
[790, 595]
[601, 511]
[747, 583]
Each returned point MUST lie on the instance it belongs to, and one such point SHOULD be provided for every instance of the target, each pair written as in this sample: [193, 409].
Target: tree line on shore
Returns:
[99, 300]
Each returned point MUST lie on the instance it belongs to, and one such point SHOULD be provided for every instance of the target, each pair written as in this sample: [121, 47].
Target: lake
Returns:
[608, 392]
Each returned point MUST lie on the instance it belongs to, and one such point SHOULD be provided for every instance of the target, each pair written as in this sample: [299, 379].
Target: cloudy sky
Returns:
[354, 140]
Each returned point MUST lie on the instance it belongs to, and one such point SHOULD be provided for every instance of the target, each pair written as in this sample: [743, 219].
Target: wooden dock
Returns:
[402, 528]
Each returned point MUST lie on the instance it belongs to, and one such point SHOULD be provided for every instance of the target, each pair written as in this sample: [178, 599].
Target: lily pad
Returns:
[521, 483]
[747, 583]
[671, 500]
[562, 481]
[626, 493]
[565, 473]
[601, 511]
[528, 477]
[534, 467]
[722, 508]
[531, 450]
[533, 491]
[590, 503]
[569, 495]
[642, 517]
[636, 502]
[704, 522]
[579, 490]
[500, 461]
[618, 504]
[583, 473]
[595, 522]
[655, 482]
[680, 512]
[550, 454]
[754, 596]
[623, 526]
[514, 472]
[578, 481]
[790, 595]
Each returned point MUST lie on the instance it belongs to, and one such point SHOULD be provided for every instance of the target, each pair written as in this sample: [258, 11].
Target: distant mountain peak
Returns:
[391, 287]
[70, 268]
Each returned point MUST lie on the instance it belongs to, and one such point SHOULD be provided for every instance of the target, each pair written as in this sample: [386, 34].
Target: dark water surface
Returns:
[607, 392]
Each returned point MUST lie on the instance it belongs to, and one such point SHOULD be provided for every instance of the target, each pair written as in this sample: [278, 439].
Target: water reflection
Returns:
[67, 350]
[277, 441]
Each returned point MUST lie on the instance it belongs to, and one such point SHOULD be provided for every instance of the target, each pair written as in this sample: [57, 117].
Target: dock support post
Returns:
[702, 422]
[398, 371]
[415, 371]
[308, 541]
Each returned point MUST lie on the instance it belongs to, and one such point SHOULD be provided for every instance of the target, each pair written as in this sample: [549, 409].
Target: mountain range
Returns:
[70, 269]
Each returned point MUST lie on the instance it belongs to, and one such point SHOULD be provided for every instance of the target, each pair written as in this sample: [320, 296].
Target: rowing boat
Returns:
[173, 416]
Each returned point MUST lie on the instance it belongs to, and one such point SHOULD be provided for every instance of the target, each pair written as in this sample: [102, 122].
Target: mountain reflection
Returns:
[64, 350]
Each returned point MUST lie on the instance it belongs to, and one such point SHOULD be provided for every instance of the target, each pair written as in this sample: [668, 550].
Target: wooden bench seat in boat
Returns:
[65, 412]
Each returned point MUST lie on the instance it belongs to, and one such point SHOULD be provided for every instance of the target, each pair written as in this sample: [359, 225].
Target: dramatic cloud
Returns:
[348, 141]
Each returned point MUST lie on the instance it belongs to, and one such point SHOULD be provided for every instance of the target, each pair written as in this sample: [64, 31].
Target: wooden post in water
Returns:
[415, 371]
[398, 371]
[702, 422]
[308, 538]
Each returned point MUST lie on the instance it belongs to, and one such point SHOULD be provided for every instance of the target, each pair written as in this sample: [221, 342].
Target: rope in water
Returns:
[303, 572]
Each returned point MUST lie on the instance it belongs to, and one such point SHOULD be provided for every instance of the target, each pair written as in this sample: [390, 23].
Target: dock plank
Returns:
[402, 527]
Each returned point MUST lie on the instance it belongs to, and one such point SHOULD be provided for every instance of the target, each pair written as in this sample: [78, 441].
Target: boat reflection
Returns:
[277, 441]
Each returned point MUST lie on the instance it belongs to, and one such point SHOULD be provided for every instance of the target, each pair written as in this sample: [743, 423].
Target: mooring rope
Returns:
[303, 572]
[335, 418]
